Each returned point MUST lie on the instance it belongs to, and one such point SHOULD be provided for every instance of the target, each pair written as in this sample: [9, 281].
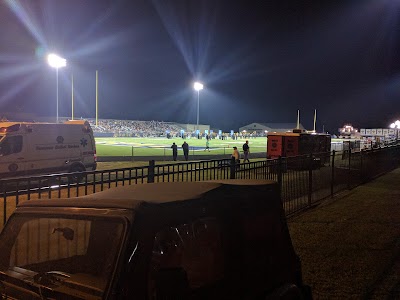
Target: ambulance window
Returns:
[10, 145]
[89, 141]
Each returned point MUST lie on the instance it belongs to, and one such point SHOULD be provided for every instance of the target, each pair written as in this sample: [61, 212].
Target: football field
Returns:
[162, 146]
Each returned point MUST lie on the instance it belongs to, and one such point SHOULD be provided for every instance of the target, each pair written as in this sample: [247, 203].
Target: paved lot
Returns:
[350, 246]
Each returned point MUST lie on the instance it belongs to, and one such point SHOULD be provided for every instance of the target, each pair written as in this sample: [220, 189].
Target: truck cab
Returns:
[224, 239]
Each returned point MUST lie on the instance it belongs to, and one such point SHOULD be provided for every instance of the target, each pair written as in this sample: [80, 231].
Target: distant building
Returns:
[382, 133]
[270, 127]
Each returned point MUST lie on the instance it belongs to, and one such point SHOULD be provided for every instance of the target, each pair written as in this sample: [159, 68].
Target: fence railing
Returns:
[133, 153]
[303, 180]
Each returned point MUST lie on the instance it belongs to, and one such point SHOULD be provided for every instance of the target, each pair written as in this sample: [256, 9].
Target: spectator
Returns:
[246, 151]
[236, 155]
[185, 147]
[174, 151]
[131, 128]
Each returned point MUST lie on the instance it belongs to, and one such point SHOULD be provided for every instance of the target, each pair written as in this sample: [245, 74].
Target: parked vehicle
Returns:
[40, 148]
[290, 145]
[223, 239]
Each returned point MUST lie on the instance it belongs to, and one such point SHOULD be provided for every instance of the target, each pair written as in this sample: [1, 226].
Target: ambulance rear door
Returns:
[88, 147]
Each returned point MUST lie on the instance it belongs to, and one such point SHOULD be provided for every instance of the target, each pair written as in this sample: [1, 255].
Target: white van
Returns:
[43, 148]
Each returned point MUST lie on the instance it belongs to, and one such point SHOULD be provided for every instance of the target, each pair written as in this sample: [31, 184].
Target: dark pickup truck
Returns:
[223, 239]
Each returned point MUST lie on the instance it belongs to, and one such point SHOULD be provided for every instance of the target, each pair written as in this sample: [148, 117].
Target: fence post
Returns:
[265, 167]
[333, 172]
[310, 180]
[232, 168]
[348, 179]
[4, 204]
[279, 173]
[132, 154]
[361, 166]
[150, 175]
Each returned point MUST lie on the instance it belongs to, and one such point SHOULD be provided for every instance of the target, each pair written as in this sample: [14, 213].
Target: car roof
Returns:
[130, 197]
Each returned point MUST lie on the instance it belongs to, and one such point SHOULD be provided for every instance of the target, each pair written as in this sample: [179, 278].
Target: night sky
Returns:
[260, 61]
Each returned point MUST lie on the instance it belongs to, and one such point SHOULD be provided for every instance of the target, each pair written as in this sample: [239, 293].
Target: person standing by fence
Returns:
[174, 151]
[185, 147]
[236, 155]
[246, 151]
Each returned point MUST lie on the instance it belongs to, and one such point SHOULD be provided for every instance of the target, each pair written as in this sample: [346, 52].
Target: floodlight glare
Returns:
[198, 86]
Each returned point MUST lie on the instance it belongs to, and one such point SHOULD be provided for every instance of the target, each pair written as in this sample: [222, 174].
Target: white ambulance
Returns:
[43, 148]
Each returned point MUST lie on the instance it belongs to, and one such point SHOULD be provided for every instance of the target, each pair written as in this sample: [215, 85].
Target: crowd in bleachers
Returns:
[134, 128]
[131, 128]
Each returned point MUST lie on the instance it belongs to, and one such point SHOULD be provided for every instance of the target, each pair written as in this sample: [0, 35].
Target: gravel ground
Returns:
[350, 246]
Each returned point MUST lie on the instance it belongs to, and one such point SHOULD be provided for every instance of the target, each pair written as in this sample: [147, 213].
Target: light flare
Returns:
[16, 89]
[8, 72]
[27, 21]
[193, 43]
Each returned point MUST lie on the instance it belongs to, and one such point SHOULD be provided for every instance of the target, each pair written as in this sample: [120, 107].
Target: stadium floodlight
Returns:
[56, 62]
[198, 87]
[395, 124]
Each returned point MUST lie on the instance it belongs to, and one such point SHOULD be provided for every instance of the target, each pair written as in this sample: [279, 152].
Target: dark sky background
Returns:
[260, 61]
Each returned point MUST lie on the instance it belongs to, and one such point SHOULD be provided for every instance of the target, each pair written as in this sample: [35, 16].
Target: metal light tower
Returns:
[56, 62]
[198, 87]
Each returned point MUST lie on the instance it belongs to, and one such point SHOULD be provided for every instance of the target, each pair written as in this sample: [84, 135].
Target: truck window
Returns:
[195, 248]
[11, 145]
[75, 247]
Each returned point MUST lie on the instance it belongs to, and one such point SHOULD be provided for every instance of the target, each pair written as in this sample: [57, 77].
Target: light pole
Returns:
[56, 62]
[198, 87]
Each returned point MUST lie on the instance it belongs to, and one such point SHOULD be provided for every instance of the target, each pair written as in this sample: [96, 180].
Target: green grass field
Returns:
[162, 146]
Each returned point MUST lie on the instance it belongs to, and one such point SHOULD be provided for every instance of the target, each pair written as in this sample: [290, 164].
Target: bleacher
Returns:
[133, 128]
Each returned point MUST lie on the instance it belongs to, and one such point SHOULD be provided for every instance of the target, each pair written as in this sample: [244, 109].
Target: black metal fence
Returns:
[303, 180]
